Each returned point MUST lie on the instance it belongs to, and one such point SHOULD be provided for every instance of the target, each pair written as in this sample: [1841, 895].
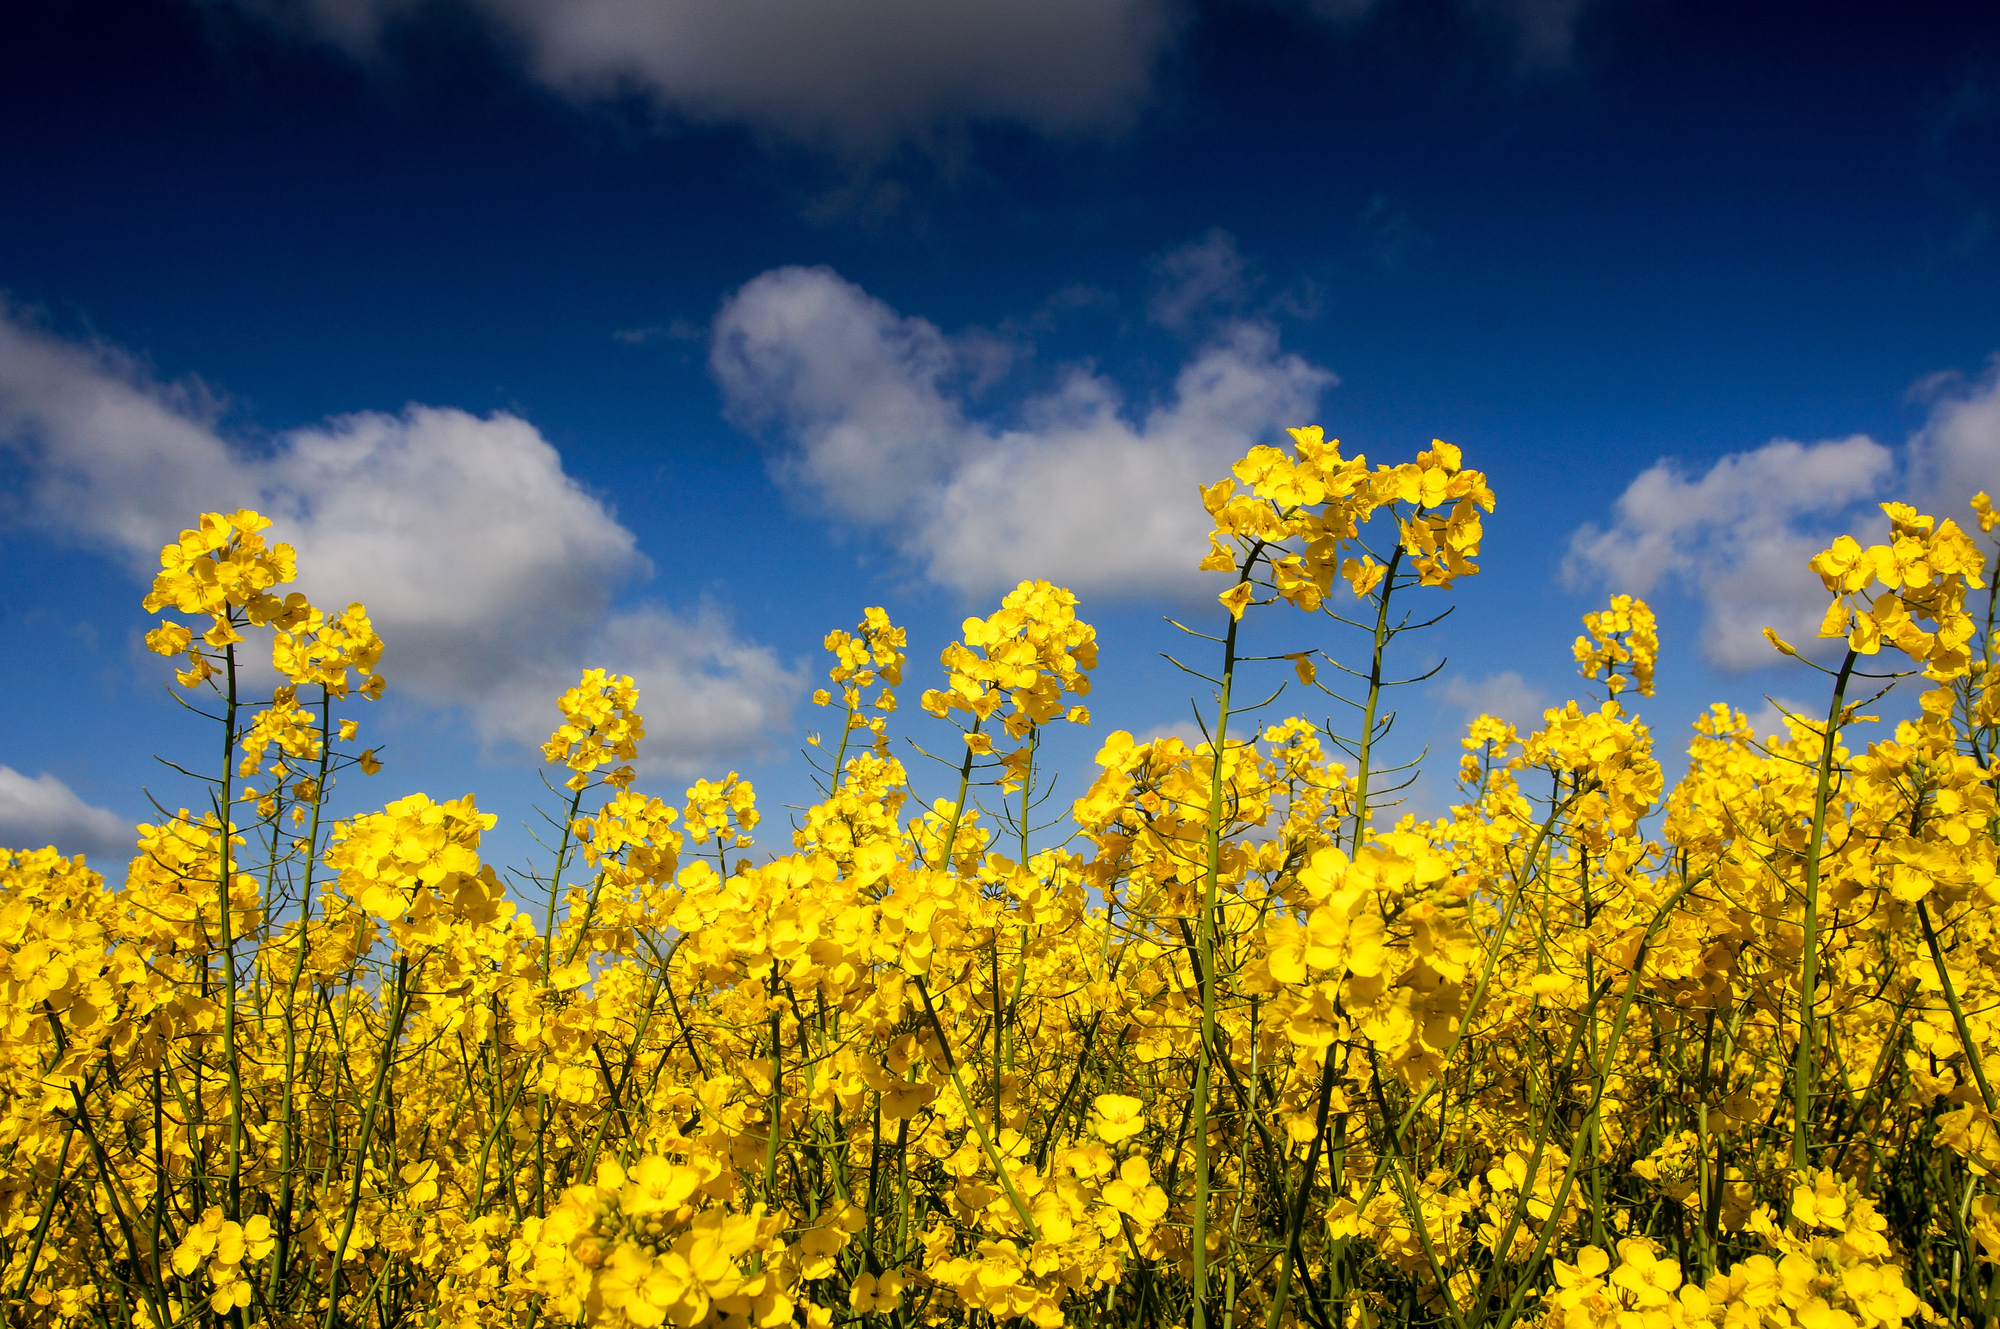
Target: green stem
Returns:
[1210, 898]
[288, 1108]
[1804, 1062]
[1365, 755]
[399, 1007]
[555, 883]
[42, 1221]
[1296, 1226]
[1601, 1080]
[965, 1101]
[777, 1095]
[1957, 1012]
[958, 806]
[229, 1050]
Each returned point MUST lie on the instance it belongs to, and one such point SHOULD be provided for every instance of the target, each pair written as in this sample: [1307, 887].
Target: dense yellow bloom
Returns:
[323, 648]
[601, 724]
[725, 810]
[1534, 1059]
[1028, 655]
[1924, 571]
[1624, 634]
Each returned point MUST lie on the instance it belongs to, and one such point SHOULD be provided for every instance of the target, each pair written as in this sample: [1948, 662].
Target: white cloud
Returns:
[870, 398]
[848, 73]
[1504, 696]
[45, 811]
[1957, 452]
[710, 698]
[872, 411]
[488, 571]
[1739, 536]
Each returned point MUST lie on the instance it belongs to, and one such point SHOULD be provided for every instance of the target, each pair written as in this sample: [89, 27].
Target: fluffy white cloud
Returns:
[1741, 534]
[873, 413]
[488, 571]
[873, 401]
[1957, 452]
[851, 73]
[710, 698]
[45, 811]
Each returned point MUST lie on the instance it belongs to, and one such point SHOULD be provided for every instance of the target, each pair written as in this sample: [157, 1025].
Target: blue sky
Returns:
[667, 336]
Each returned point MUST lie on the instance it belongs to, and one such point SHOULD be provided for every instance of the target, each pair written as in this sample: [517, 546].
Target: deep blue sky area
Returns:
[678, 364]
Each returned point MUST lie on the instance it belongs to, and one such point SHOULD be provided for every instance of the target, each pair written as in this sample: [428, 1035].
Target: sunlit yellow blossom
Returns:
[1230, 1032]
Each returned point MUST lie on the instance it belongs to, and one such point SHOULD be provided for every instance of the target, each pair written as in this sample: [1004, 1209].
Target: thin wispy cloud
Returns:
[1198, 280]
[1504, 696]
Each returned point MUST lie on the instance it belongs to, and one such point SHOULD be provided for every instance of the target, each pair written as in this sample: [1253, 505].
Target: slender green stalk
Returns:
[965, 1100]
[232, 1068]
[999, 1018]
[555, 882]
[1805, 1063]
[1281, 1298]
[943, 863]
[1210, 900]
[777, 1097]
[399, 1008]
[288, 1105]
[1296, 1210]
[1366, 749]
[1972, 1056]
[1601, 1081]
[42, 1220]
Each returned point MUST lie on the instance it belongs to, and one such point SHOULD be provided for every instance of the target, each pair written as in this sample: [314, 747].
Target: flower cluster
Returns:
[1018, 664]
[1924, 572]
[725, 810]
[600, 725]
[1626, 635]
[1301, 512]
[872, 653]
[221, 566]
[224, 1247]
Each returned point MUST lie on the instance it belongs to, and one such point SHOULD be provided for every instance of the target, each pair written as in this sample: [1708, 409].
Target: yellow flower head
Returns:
[601, 724]
[1623, 635]
[1116, 1117]
[713, 807]
[1982, 508]
[1923, 572]
[1020, 662]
